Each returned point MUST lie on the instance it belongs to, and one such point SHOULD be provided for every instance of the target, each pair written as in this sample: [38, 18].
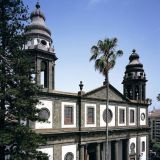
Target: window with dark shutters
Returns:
[68, 114]
[121, 116]
[90, 115]
[132, 119]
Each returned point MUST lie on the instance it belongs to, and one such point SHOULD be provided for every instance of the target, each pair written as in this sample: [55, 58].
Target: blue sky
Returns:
[76, 25]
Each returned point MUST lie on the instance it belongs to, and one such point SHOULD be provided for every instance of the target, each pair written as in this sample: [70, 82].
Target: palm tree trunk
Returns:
[107, 103]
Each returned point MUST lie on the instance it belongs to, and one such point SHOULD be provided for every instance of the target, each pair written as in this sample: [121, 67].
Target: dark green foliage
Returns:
[156, 147]
[18, 96]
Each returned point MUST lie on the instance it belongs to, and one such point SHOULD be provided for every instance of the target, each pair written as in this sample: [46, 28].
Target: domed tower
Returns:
[40, 48]
[134, 82]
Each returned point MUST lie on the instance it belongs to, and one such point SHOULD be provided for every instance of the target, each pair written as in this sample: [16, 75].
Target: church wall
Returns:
[69, 134]
[56, 108]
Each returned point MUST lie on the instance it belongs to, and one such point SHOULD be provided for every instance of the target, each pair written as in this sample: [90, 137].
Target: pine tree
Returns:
[18, 95]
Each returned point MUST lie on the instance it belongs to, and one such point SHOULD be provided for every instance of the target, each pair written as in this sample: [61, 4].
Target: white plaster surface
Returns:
[132, 140]
[69, 148]
[143, 154]
[44, 125]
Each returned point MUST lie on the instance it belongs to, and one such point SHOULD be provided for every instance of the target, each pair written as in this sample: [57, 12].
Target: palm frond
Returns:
[95, 52]
[101, 46]
[100, 64]
[119, 53]
[111, 64]
[105, 54]
[110, 55]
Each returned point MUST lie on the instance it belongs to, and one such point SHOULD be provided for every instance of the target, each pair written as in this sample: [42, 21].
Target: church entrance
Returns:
[91, 150]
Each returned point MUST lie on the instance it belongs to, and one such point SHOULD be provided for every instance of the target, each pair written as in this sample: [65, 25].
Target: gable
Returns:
[100, 93]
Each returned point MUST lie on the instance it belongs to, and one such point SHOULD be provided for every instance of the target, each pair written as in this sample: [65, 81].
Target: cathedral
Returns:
[77, 121]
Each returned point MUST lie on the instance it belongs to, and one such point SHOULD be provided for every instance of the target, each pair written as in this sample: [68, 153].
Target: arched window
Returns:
[44, 75]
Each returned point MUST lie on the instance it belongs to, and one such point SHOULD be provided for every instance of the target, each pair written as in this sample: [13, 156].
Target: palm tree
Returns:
[104, 54]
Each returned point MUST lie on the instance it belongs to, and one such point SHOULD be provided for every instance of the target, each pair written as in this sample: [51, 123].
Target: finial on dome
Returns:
[134, 51]
[37, 5]
[134, 55]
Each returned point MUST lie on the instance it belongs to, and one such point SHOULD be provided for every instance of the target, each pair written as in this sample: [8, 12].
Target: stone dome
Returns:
[38, 26]
[134, 64]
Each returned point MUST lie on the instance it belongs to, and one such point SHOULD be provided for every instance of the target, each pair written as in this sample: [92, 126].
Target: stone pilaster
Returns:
[50, 75]
[116, 150]
[38, 70]
[98, 152]
[82, 152]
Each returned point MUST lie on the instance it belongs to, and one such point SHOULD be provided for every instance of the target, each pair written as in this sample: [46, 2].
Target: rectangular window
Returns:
[90, 115]
[68, 114]
[121, 116]
[132, 119]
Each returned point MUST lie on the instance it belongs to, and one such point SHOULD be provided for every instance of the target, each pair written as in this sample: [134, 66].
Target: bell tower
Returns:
[134, 81]
[41, 49]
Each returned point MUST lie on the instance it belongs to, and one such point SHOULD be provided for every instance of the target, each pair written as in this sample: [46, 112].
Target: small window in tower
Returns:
[43, 42]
